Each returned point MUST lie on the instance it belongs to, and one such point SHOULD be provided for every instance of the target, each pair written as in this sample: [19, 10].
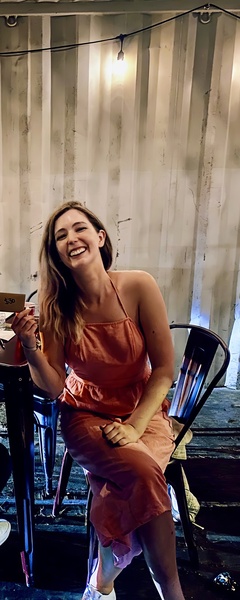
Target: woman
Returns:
[108, 327]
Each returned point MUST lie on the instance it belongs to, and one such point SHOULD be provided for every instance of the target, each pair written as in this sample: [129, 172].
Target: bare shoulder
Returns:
[135, 289]
[137, 280]
[139, 292]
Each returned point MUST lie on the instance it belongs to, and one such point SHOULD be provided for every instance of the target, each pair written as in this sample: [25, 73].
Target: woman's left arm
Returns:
[155, 326]
[154, 323]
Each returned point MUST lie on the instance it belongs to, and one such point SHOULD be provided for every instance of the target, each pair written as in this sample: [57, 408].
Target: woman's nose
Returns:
[72, 235]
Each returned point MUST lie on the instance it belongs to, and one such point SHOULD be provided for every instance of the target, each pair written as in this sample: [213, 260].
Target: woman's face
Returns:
[77, 241]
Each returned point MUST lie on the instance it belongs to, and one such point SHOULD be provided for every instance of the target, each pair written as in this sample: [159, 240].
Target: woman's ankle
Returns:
[101, 586]
[99, 583]
[105, 590]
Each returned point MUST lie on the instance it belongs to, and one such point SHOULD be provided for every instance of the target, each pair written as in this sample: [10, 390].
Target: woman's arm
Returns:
[47, 366]
[154, 323]
[155, 326]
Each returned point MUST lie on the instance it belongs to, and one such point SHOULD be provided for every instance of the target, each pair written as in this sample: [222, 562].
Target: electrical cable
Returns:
[119, 37]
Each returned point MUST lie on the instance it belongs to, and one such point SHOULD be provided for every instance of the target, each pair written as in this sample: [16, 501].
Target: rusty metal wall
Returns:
[154, 151]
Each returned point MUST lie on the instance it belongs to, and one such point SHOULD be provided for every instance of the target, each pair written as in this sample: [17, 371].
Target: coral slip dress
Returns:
[110, 369]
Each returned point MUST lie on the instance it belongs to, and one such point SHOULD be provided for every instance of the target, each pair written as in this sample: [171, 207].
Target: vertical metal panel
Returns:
[155, 152]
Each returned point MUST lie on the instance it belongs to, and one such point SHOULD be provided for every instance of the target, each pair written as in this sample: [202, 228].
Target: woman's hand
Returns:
[120, 434]
[25, 326]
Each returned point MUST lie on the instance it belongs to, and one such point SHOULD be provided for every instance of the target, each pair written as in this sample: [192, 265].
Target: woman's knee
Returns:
[144, 468]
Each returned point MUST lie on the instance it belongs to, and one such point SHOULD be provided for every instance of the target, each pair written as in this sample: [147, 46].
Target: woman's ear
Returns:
[101, 237]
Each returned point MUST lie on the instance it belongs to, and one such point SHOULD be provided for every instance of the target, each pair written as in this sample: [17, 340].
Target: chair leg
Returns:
[66, 466]
[46, 416]
[92, 540]
[174, 476]
[47, 446]
[6, 466]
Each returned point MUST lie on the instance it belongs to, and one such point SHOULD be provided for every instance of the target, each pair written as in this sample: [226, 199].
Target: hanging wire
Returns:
[224, 10]
[120, 37]
[57, 48]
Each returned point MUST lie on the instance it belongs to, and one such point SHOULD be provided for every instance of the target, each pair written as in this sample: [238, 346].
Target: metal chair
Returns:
[188, 398]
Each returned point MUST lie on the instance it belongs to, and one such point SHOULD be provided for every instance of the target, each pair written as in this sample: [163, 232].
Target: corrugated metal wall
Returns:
[155, 152]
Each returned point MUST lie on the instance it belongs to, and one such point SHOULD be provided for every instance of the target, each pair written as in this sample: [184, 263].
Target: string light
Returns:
[119, 65]
[123, 36]
[120, 55]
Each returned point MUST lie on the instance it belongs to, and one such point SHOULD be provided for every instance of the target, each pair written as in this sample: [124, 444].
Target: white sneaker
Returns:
[5, 529]
[91, 593]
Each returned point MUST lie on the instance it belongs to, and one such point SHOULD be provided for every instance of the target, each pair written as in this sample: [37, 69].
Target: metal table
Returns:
[17, 393]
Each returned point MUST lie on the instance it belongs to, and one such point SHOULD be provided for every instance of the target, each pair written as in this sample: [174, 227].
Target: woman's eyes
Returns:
[61, 236]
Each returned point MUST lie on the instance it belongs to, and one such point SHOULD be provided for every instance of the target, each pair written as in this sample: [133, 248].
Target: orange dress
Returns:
[110, 369]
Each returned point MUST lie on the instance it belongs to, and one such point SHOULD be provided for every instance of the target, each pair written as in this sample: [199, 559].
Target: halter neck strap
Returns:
[118, 297]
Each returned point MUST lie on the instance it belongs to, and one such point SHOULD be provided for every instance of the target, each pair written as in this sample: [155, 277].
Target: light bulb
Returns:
[120, 55]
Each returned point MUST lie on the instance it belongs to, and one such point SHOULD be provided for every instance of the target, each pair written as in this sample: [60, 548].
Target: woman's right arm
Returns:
[47, 366]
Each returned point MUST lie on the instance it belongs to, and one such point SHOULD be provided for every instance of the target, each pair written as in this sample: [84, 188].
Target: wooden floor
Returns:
[61, 550]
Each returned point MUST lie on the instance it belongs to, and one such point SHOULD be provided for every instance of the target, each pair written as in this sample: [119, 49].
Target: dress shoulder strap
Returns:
[118, 297]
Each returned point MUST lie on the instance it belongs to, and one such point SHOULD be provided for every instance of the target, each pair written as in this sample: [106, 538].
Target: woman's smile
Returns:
[77, 251]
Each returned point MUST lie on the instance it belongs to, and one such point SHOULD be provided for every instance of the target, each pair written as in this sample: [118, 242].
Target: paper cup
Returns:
[31, 306]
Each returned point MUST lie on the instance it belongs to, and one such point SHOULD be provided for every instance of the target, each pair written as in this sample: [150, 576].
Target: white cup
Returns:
[31, 306]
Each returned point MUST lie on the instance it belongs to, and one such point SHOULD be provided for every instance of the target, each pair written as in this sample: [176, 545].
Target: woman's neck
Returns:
[94, 288]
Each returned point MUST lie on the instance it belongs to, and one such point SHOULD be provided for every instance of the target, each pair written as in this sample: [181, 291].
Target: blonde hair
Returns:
[60, 301]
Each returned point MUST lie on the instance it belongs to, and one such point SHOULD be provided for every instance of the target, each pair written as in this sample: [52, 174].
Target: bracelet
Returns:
[32, 349]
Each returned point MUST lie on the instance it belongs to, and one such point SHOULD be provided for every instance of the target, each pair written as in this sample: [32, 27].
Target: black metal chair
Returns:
[188, 399]
[189, 396]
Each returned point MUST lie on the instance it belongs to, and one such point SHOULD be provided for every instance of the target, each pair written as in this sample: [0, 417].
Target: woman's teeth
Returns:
[77, 252]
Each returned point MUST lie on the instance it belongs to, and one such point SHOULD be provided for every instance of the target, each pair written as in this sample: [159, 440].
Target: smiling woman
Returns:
[109, 327]
[56, 268]
[75, 238]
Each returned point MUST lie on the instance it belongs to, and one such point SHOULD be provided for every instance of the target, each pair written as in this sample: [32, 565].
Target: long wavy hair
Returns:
[60, 302]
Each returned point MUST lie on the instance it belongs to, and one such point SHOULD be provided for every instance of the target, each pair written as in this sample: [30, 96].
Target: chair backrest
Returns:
[189, 394]
[31, 295]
